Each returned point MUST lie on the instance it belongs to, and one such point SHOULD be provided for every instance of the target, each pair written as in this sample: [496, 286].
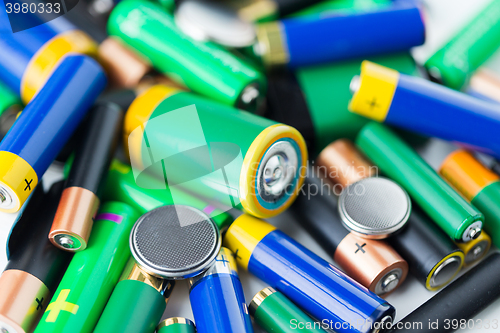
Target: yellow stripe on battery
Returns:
[243, 240]
[253, 157]
[47, 58]
[373, 97]
[431, 273]
[137, 116]
[476, 249]
[18, 178]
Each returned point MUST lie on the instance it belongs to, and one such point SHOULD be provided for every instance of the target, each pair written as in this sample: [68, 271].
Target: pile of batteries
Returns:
[182, 125]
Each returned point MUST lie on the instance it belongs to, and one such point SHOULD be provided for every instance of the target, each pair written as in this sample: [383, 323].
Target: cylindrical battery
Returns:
[176, 325]
[316, 105]
[452, 307]
[230, 156]
[122, 186]
[453, 64]
[10, 106]
[476, 249]
[203, 67]
[136, 304]
[92, 274]
[332, 36]
[431, 255]
[310, 282]
[343, 164]
[373, 263]
[35, 266]
[275, 313]
[422, 106]
[217, 298]
[477, 184]
[458, 219]
[80, 199]
[30, 56]
[45, 125]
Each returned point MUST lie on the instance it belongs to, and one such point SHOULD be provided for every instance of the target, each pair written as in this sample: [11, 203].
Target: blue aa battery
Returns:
[28, 57]
[342, 35]
[45, 125]
[427, 108]
[217, 298]
[312, 283]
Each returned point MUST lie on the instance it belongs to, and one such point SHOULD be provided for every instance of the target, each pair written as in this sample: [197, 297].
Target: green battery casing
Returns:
[10, 105]
[92, 274]
[327, 95]
[121, 186]
[134, 307]
[327, 6]
[277, 314]
[203, 67]
[488, 203]
[177, 327]
[400, 162]
[210, 149]
[454, 63]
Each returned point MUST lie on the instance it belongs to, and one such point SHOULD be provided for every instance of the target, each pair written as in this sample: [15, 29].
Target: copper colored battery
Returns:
[373, 263]
[35, 267]
[80, 199]
[342, 163]
[124, 66]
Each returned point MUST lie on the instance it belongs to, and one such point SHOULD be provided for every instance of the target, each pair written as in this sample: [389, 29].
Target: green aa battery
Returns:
[465, 52]
[10, 105]
[459, 219]
[227, 155]
[327, 95]
[134, 307]
[176, 325]
[275, 313]
[122, 186]
[326, 6]
[203, 67]
[92, 274]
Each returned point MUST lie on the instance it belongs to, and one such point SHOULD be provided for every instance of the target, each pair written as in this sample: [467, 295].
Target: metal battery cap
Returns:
[211, 21]
[374, 207]
[175, 242]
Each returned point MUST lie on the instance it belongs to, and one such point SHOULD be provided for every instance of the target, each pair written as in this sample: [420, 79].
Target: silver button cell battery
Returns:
[212, 21]
[175, 242]
[374, 207]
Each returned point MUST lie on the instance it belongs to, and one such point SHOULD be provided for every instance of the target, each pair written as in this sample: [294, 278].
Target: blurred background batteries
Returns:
[10, 106]
[266, 10]
[44, 126]
[80, 199]
[275, 313]
[121, 186]
[452, 307]
[329, 37]
[35, 266]
[203, 67]
[478, 185]
[92, 274]
[30, 56]
[316, 105]
[312, 283]
[228, 155]
[176, 325]
[422, 106]
[217, 298]
[458, 218]
[372, 263]
[453, 64]
[168, 243]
